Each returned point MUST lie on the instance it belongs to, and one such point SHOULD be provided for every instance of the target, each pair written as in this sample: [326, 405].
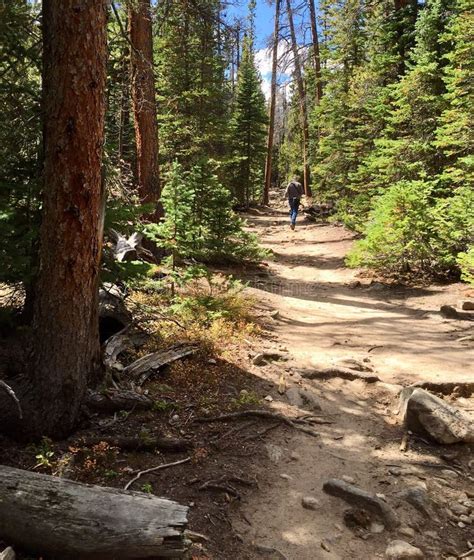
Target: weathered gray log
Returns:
[113, 400]
[68, 520]
[144, 367]
[113, 347]
[112, 305]
[342, 372]
[126, 248]
[355, 496]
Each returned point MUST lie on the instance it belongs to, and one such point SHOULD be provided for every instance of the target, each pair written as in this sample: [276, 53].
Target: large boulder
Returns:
[427, 414]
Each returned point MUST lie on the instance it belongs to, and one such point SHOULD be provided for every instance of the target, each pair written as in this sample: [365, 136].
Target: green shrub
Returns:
[416, 230]
[466, 263]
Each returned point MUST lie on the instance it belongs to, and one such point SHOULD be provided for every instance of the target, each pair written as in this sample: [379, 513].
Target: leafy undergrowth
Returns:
[213, 381]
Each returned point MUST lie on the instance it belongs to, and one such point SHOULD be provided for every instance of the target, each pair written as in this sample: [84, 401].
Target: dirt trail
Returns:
[324, 317]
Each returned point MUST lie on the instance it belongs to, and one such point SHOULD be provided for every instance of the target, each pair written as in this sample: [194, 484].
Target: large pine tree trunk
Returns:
[302, 99]
[66, 346]
[144, 103]
[271, 126]
[316, 54]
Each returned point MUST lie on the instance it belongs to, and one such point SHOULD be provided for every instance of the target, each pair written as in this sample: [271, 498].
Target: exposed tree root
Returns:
[342, 372]
[155, 469]
[301, 424]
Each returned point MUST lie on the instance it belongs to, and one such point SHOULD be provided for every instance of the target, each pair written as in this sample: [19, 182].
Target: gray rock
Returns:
[429, 415]
[303, 398]
[275, 452]
[8, 554]
[467, 305]
[458, 509]
[355, 496]
[418, 497]
[348, 479]
[401, 550]
[376, 527]
[259, 360]
[309, 502]
[407, 532]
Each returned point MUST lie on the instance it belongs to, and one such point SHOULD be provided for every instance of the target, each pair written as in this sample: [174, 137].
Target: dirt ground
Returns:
[327, 313]
[245, 480]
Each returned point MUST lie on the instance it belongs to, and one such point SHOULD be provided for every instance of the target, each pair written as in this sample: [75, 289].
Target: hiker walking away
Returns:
[294, 192]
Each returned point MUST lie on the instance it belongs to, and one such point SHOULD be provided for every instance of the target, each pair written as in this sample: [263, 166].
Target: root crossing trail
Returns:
[322, 313]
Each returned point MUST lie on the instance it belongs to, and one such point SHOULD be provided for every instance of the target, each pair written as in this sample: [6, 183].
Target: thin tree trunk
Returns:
[66, 324]
[302, 99]
[144, 103]
[316, 53]
[271, 126]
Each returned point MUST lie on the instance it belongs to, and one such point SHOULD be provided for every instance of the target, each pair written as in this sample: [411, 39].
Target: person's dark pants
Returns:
[294, 207]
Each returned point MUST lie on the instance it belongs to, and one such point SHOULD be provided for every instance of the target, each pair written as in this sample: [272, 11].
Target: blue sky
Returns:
[264, 23]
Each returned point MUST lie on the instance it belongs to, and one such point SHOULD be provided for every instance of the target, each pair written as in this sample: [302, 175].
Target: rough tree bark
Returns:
[316, 53]
[144, 103]
[66, 326]
[271, 126]
[302, 99]
[68, 520]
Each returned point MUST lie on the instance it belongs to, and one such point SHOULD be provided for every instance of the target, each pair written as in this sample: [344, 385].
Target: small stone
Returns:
[259, 360]
[348, 479]
[294, 456]
[286, 476]
[8, 554]
[395, 471]
[449, 473]
[354, 284]
[467, 305]
[376, 528]
[192, 504]
[401, 550]
[275, 314]
[407, 532]
[382, 497]
[275, 452]
[417, 497]
[458, 509]
[461, 525]
[212, 361]
[325, 547]
[269, 398]
[308, 502]
[465, 519]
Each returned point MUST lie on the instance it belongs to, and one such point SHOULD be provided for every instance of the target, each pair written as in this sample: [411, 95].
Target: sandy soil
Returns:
[324, 317]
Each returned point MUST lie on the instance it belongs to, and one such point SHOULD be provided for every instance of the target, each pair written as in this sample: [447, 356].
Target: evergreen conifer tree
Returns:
[247, 130]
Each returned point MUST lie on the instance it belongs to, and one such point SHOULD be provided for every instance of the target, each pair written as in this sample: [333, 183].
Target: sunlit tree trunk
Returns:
[302, 99]
[144, 103]
[66, 326]
[271, 126]
[316, 53]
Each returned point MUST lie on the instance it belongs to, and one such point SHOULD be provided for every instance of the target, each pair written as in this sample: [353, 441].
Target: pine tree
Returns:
[193, 94]
[248, 131]
[455, 132]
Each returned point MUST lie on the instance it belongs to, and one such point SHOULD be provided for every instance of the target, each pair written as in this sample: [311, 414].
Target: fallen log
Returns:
[144, 367]
[114, 400]
[341, 372]
[68, 520]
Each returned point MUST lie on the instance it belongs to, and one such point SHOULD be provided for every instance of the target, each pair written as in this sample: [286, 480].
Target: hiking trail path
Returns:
[326, 313]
